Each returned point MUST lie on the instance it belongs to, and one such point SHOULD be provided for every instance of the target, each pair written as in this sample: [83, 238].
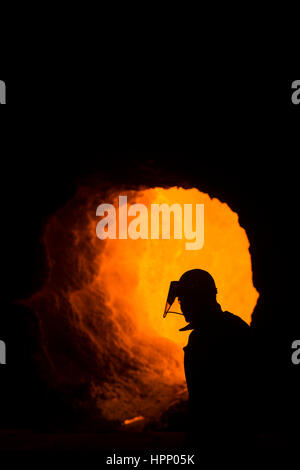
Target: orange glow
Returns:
[143, 269]
[101, 307]
[133, 420]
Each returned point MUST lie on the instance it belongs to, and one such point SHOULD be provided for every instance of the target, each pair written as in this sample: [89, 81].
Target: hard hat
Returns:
[194, 282]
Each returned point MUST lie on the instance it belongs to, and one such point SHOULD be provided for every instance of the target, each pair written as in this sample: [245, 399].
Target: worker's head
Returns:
[196, 292]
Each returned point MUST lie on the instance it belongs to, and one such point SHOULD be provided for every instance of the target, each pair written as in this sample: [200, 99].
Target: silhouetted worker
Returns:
[217, 365]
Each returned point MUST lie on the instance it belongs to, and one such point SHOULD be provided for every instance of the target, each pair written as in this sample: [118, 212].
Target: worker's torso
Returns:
[215, 357]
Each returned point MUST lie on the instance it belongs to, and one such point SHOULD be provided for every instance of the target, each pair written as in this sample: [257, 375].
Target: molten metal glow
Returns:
[101, 307]
[133, 420]
[143, 269]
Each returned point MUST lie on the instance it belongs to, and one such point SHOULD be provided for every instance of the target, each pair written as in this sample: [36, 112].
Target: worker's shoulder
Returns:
[236, 322]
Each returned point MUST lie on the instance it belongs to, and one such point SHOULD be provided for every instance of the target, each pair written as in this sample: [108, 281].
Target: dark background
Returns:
[235, 138]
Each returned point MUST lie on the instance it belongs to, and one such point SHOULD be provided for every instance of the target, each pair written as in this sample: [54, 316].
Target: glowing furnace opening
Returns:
[135, 274]
[101, 308]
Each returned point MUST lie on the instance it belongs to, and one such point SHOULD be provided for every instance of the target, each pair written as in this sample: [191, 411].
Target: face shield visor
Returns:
[173, 293]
